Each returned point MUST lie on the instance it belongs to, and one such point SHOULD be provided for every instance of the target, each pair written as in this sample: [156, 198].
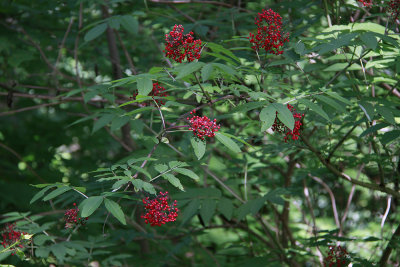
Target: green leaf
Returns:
[189, 69]
[58, 251]
[206, 72]
[115, 210]
[114, 22]
[225, 206]
[139, 184]
[225, 68]
[369, 39]
[89, 205]
[251, 206]
[368, 109]
[228, 142]
[374, 128]
[130, 24]
[139, 169]
[284, 115]
[314, 107]
[390, 136]
[173, 180]
[161, 168]
[40, 194]
[387, 114]
[187, 172]
[220, 49]
[338, 97]
[118, 122]
[145, 86]
[95, 32]
[190, 210]
[237, 139]
[340, 66]
[207, 210]
[41, 239]
[338, 106]
[102, 121]
[267, 116]
[199, 147]
[42, 252]
[57, 192]
[138, 110]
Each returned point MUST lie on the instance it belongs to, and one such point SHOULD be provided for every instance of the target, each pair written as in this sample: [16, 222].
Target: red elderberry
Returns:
[337, 256]
[11, 236]
[158, 211]
[202, 126]
[366, 3]
[279, 127]
[269, 33]
[394, 8]
[71, 218]
[158, 91]
[179, 46]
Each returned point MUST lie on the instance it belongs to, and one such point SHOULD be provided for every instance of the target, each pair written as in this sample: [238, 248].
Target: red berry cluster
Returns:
[157, 90]
[337, 256]
[71, 218]
[394, 8]
[367, 3]
[11, 236]
[179, 46]
[279, 127]
[158, 211]
[269, 35]
[202, 126]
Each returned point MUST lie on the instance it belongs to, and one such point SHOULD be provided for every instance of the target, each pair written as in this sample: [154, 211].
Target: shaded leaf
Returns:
[115, 210]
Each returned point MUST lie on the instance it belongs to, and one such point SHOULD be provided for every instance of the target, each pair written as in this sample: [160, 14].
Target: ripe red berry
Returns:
[394, 8]
[71, 218]
[279, 127]
[269, 33]
[337, 256]
[158, 211]
[157, 90]
[11, 236]
[179, 46]
[202, 126]
[366, 3]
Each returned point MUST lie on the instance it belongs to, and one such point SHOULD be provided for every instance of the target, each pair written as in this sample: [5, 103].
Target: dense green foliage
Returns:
[77, 126]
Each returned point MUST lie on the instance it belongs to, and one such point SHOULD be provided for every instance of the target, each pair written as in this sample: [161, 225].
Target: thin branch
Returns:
[12, 151]
[345, 176]
[128, 58]
[332, 196]
[28, 108]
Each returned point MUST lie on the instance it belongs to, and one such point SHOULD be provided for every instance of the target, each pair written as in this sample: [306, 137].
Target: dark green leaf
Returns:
[102, 121]
[207, 210]
[390, 136]
[40, 194]
[57, 192]
[225, 206]
[199, 147]
[188, 173]
[115, 210]
[145, 85]
[90, 205]
[95, 32]
[284, 115]
[228, 142]
[130, 24]
[314, 107]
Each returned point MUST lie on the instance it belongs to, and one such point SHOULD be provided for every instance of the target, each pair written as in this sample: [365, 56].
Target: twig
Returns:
[347, 177]
[332, 196]
[12, 151]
